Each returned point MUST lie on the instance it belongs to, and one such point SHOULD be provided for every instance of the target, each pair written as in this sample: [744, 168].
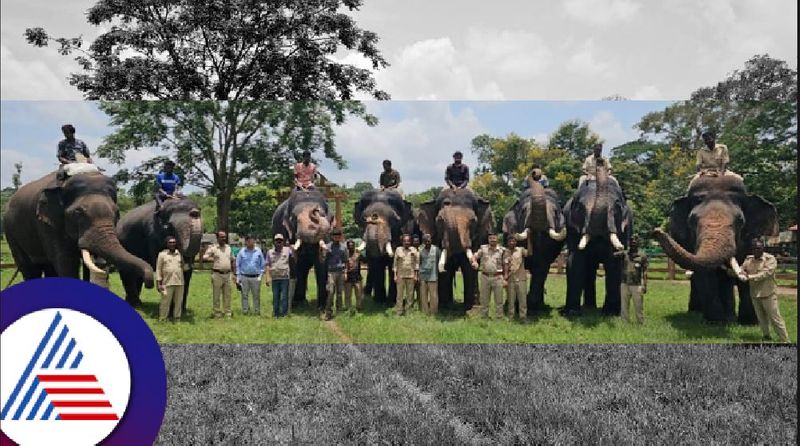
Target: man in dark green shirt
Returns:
[390, 178]
[634, 280]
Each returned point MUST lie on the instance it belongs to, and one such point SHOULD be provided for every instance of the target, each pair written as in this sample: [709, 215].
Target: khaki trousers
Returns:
[221, 285]
[405, 294]
[491, 285]
[768, 313]
[173, 294]
[628, 293]
[335, 286]
[517, 292]
[429, 297]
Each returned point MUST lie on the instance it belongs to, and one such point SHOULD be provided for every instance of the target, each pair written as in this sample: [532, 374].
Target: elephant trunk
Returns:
[599, 218]
[312, 225]
[190, 242]
[376, 236]
[456, 230]
[538, 219]
[101, 240]
[716, 247]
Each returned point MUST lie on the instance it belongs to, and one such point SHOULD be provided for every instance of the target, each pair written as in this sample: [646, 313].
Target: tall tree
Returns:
[222, 50]
[221, 145]
[575, 137]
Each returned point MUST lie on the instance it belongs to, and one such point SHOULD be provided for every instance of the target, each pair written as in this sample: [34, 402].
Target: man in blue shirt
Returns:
[249, 269]
[168, 183]
[71, 149]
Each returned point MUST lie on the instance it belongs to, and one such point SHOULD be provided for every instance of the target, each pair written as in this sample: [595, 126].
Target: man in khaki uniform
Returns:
[428, 276]
[712, 158]
[591, 162]
[169, 277]
[516, 278]
[491, 282]
[406, 274]
[224, 263]
[634, 280]
[759, 270]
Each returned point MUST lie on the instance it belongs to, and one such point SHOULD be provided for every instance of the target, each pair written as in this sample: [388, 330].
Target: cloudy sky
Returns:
[504, 49]
[419, 136]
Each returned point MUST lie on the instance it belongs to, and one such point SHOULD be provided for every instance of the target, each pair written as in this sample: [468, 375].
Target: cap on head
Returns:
[278, 237]
[426, 237]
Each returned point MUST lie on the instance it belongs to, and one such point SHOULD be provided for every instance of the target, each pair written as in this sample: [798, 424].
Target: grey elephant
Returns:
[305, 221]
[710, 231]
[538, 218]
[383, 216]
[52, 225]
[143, 232]
[459, 221]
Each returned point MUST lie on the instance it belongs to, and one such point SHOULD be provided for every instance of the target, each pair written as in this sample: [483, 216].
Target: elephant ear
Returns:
[510, 222]
[426, 219]
[485, 222]
[358, 212]
[760, 216]
[679, 221]
[50, 208]
[407, 214]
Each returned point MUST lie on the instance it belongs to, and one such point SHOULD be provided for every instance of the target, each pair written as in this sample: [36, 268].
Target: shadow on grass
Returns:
[693, 326]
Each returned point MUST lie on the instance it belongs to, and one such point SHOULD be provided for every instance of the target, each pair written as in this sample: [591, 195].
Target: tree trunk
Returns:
[223, 210]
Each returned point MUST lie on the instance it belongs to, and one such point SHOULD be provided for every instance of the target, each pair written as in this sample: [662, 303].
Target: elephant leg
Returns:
[713, 308]
[133, 287]
[187, 280]
[589, 285]
[50, 271]
[30, 272]
[727, 297]
[321, 277]
[368, 283]
[391, 296]
[536, 293]
[695, 297]
[446, 284]
[470, 283]
[612, 304]
[303, 269]
[375, 276]
[747, 314]
[575, 282]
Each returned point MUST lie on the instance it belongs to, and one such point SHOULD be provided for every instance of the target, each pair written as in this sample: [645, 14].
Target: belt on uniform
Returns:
[220, 271]
[250, 275]
[491, 274]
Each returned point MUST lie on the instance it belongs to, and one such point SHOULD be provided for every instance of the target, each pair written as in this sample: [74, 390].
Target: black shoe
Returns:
[569, 312]
[766, 338]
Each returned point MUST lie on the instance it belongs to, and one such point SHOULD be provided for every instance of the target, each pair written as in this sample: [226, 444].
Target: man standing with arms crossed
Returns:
[249, 270]
[491, 268]
[516, 278]
[223, 264]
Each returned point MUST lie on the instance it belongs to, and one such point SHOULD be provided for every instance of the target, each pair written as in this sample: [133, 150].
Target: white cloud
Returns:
[601, 12]
[605, 124]
[510, 54]
[432, 70]
[584, 62]
[647, 93]
[33, 167]
[31, 80]
[420, 145]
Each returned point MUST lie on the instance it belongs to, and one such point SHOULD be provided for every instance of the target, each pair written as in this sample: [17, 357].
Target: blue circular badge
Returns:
[79, 366]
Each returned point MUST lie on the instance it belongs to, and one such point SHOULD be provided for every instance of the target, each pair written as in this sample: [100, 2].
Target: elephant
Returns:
[305, 221]
[599, 225]
[537, 216]
[710, 229]
[459, 221]
[383, 216]
[51, 225]
[143, 232]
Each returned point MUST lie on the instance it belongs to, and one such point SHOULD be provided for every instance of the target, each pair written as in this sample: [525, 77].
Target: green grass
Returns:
[666, 321]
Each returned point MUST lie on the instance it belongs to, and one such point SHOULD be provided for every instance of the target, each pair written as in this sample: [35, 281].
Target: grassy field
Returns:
[480, 394]
[665, 312]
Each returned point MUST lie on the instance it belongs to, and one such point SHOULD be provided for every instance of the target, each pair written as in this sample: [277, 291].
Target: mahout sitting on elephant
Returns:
[459, 222]
[709, 234]
[52, 224]
[537, 220]
[143, 231]
[383, 216]
[599, 223]
[305, 222]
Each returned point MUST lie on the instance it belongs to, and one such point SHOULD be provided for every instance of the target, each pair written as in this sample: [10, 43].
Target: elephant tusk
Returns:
[584, 241]
[688, 273]
[522, 235]
[442, 260]
[87, 260]
[557, 236]
[615, 241]
[297, 244]
[470, 255]
[389, 249]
